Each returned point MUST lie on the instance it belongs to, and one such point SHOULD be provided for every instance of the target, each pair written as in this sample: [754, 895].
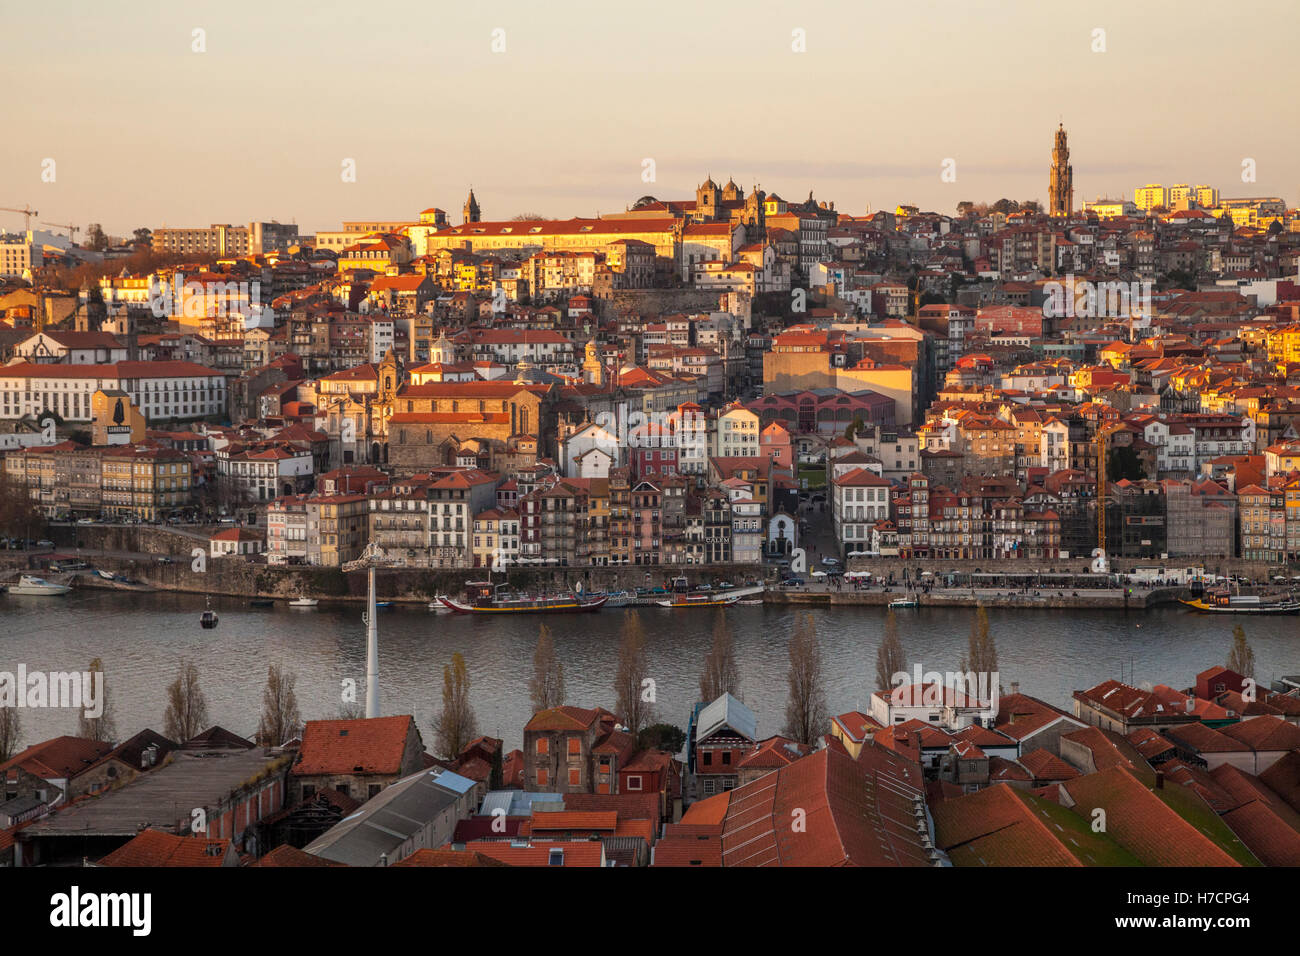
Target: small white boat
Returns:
[437, 605]
[106, 575]
[303, 602]
[904, 602]
[30, 584]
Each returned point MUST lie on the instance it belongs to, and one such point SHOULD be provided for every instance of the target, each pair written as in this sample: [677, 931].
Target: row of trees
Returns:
[806, 711]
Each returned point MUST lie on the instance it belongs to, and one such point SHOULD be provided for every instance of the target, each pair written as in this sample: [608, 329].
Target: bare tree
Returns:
[455, 725]
[11, 731]
[187, 708]
[281, 720]
[630, 688]
[805, 711]
[890, 659]
[103, 727]
[720, 675]
[1241, 658]
[981, 652]
[547, 685]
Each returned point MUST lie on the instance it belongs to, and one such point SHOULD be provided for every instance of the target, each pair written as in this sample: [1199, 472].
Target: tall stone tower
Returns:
[471, 211]
[1060, 187]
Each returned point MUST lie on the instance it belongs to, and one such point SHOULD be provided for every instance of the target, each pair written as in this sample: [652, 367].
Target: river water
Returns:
[142, 639]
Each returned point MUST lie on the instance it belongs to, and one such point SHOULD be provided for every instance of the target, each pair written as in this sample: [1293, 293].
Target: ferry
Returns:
[1221, 602]
[484, 597]
[30, 584]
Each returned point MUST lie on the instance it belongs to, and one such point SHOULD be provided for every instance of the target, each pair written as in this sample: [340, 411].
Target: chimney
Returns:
[1015, 687]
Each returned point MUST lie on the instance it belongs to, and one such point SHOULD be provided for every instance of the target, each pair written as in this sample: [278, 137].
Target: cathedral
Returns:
[729, 204]
[1060, 186]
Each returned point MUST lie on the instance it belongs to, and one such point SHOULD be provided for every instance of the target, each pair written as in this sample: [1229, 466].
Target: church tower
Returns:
[471, 211]
[442, 352]
[1060, 186]
[593, 372]
[706, 201]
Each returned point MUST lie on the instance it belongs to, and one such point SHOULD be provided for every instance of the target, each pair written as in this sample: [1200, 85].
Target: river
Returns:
[143, 637]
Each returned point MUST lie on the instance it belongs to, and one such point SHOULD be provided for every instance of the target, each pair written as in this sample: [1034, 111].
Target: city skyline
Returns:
[790, 122]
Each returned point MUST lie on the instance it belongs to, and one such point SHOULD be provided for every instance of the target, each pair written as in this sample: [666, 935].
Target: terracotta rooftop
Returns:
[374, 745]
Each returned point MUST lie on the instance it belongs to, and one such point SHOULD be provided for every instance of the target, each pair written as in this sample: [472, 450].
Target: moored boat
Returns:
[905, 602]
[32, 585]
[700, 599]
[1221, 602]
[484, 597]
[303, 602]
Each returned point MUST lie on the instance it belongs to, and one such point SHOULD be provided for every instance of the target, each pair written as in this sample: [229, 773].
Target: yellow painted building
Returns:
[147, 483]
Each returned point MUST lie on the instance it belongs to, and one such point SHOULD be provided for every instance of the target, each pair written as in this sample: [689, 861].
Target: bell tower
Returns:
[1060, 184]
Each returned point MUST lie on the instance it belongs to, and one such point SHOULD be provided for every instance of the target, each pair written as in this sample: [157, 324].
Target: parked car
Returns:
[163, 559]
[85, 521]
[793, 583]
[45, 543]
[830, 562]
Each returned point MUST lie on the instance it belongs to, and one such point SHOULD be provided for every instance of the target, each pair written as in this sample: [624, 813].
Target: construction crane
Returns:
[72, 230]
[27, 211]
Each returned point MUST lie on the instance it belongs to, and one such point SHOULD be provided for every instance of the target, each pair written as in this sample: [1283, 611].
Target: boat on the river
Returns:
[261, 602]
[1221, 601]
[484, 597]
[904, 602]
[700, 599]
[303, 602]
[32, 585]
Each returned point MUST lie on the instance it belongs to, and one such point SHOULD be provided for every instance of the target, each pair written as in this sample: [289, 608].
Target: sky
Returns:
[144, 130]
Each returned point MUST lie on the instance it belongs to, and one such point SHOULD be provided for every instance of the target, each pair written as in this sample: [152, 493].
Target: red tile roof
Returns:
[156, 848]
[1141, 822]
[854, 813]
[1265, 733]
[59, 757]
[291, 856]
[448, 857]
[374, 745]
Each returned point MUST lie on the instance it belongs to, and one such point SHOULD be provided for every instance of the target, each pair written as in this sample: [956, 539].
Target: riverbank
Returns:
[1113, 599]
[412, 587]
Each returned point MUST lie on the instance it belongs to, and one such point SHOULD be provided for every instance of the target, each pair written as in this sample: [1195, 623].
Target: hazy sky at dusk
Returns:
[146, 132]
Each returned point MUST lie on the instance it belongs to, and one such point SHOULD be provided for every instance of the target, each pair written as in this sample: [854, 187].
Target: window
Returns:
[575, 777]
[708, 759]
[726, 758]
[575, 746]
[543, 778]
[634, 783]
[543, 745]
[374, 789]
